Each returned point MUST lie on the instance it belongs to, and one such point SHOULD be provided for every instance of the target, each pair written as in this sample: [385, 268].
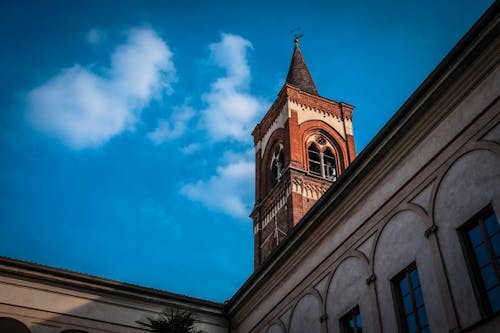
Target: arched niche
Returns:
[11, 325]
[277, 164]
[401, 242]
[306, 315]
[273, 149]
[275, 328]
[347, 290]
[469, 184]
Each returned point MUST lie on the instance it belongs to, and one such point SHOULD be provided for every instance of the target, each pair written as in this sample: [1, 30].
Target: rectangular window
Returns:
[329, 167]
[412, 317]
[351, 322]
[481, 240]
[314, 162]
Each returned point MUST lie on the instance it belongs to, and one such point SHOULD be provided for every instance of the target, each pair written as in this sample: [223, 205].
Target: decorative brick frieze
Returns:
[309, 189]
[314, 102]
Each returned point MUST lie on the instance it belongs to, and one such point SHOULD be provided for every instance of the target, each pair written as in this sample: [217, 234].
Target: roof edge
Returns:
[84, 281]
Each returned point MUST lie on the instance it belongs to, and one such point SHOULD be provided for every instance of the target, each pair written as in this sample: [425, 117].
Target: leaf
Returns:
[171, 321]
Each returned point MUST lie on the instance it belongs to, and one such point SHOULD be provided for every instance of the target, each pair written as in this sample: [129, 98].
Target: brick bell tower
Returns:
[303, 143]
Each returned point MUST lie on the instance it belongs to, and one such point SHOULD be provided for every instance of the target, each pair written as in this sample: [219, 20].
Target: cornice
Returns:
[314, 102]
[288, 92]
[97, 285]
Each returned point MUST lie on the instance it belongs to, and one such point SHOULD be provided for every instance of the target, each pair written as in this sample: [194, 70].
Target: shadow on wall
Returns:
[10, 325]
[23, 320]
[29, 305]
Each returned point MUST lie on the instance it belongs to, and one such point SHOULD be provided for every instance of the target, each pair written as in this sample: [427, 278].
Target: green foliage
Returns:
[171, 321]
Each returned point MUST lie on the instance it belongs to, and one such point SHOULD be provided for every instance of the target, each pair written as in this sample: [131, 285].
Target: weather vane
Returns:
[297, 33]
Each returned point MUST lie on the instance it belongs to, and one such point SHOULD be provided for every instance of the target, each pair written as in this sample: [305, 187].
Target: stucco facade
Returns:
[49, 300]
[402, 204]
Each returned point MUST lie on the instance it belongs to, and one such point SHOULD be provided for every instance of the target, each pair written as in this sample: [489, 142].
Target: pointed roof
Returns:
[298, 73]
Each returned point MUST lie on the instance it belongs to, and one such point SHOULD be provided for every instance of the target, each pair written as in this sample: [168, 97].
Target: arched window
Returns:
[277, 165]
[329, 169]
[322, 163]
[314, 160]
[10, 325]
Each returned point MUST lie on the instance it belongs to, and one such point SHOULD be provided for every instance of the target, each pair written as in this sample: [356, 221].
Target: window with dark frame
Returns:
[351, 322]
[314, 160]
[322, 163]
[481, 242]
[412, 316]
[329, 168]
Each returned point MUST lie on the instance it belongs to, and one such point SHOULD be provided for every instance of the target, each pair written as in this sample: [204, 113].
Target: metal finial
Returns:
[297, 35]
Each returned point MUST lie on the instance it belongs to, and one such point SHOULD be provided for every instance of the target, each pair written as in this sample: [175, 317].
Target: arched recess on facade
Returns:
[400, 243]
[276, 327]
[306, 314]
[347, 289]
[276, 139]
[11, 325]
[469, 182]
[314, 129]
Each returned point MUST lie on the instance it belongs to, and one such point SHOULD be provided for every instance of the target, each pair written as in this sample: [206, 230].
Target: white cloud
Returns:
[231, 156]
[84, 109]
[229, 190]
[231, 111]
[190, 148]
[143, 65]
[173, 128]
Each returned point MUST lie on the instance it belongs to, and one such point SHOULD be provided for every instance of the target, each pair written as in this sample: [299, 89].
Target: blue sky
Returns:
[125, 146]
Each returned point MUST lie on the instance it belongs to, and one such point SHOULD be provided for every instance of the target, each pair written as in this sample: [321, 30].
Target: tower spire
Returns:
[298, 73]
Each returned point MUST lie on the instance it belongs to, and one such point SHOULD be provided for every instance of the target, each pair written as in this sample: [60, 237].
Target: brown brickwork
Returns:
[280, 205]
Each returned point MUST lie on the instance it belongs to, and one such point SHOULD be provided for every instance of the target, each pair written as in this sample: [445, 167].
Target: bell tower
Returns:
[302, 145]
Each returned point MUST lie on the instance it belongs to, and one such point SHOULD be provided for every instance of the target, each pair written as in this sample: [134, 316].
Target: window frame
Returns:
[473, 269]
[318, 163]
[344, 320]
[314, 148]
[330, 155]
[398, 299]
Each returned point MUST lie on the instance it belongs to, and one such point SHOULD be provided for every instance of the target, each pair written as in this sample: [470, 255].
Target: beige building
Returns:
[41, 299]
[406, 239]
